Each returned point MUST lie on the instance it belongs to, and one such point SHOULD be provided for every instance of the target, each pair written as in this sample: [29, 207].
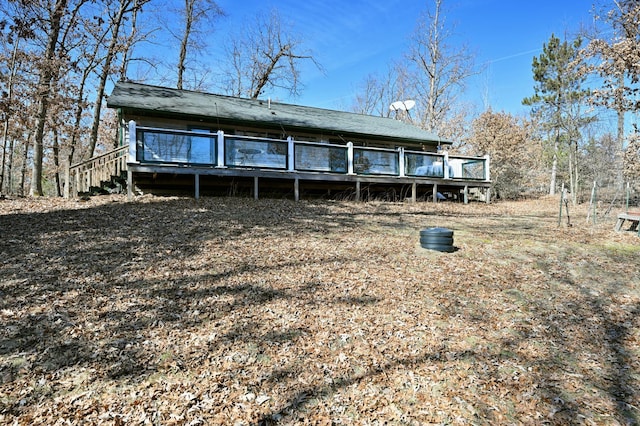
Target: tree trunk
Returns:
[573, 188]
[9, 101]
[130, 41]
[106, 70]
[576, 174]
[9, 181]
[433, 69]
[620, 136]
[554, 166]
[78, 119]
[263, 79]
[23, 171]
[188, 18]
[56, 161]
[44, 87]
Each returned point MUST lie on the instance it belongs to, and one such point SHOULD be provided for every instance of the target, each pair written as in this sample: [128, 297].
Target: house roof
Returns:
[173, 102]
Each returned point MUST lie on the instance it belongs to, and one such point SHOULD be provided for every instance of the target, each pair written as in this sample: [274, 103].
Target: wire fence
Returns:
[605, 203]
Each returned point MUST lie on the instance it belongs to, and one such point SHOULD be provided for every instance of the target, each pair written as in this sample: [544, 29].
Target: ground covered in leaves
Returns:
[233, 311]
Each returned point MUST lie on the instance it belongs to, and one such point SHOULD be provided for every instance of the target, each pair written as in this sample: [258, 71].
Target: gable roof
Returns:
[183, 103]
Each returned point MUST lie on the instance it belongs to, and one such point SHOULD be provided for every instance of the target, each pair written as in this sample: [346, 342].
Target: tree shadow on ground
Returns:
[86, 288]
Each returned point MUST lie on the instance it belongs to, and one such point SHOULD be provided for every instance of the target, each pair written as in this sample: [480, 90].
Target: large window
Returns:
[419, 164]
[321, 158]
[176, 147]
[375, 162]
[253, 152]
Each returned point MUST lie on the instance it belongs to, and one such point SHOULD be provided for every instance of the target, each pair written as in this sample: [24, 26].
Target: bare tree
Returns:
[195, 12]
[378, 92]
[53, 22]
[617, 62]
[515, 154]
[7, 107]
[116, 20]
[18, 86]
[266, 56]
[87, 60]
[440, 70]
[129, 42]
[68, 44]
[46, 75]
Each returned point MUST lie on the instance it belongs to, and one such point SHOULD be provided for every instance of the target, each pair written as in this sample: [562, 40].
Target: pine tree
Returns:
[557, 100]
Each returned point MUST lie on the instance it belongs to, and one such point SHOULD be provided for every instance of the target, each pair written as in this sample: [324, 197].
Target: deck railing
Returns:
[165, 146]
[147, 145]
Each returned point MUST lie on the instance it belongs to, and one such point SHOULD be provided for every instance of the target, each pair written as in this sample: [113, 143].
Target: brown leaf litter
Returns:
[243, 312]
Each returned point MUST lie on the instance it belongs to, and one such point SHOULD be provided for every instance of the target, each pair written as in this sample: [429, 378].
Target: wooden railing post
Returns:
[401, 171]
[133, 142]
[220, 149]
[290, 154]
[350, 158]
[487, 175]
[445, 165]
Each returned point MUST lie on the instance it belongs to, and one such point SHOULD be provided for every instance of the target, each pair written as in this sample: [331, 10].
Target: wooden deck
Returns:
[164, 160]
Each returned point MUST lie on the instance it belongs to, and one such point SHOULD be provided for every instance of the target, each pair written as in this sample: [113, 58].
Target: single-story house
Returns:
[177, 140]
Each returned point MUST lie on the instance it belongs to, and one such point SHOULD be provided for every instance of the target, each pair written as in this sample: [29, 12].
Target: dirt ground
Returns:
[233, 311]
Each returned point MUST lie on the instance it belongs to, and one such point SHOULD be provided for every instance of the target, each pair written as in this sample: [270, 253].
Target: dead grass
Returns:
[234, 311]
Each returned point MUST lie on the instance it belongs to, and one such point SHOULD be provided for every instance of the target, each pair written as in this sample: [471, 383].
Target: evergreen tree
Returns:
[557, 101]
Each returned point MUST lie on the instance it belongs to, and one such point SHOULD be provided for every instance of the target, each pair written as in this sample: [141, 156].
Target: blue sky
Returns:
[355, 38]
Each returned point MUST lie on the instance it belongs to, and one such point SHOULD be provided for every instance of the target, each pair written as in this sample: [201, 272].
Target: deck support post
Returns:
[296, 189]
[357, 190]
[255, 187]
[435, 192]
[414, 192]
[488, 196]
[129, 185]
[466, 194]
[197, 185]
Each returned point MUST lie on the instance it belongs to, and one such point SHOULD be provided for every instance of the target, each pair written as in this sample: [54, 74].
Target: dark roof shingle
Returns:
[196, 104]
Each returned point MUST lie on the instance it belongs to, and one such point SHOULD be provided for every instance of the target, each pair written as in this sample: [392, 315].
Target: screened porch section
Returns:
[199, 149]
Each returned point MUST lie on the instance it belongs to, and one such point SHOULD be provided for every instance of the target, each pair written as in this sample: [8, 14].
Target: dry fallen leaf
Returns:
[236, 311]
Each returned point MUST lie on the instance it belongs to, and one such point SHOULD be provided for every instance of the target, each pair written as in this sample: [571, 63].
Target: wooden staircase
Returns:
[103, 174]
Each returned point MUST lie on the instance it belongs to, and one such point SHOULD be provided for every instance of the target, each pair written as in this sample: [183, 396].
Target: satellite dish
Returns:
[409, 103]
[402, 105]
[397, 106]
